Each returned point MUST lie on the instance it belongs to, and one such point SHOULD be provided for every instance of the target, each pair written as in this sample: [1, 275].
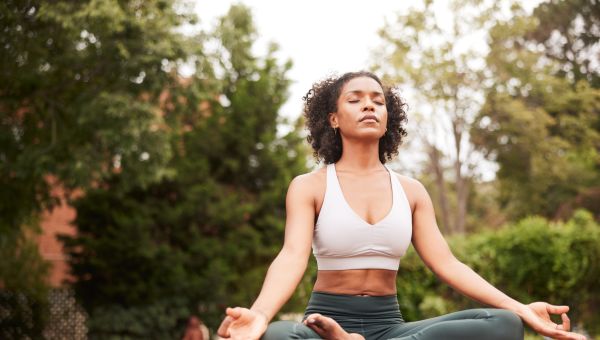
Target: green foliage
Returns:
[25, 270]
[72, 77]
[418, 289]
[23, 291]
[163, 319]
[531, 260]
[542, 128]
[565, 258]
[73, 74]
[200, 239]
[570, 32]
[540, 119]
[23, 297]
[437, 60]
[79, 95]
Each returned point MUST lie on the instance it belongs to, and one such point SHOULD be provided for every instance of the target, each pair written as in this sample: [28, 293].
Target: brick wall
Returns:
[53, 223]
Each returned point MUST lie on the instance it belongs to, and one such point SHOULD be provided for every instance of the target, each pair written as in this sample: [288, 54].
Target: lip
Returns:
[369, 117]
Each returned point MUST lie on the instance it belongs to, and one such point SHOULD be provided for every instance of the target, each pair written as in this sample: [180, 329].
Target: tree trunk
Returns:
[436, 166]
[461, 182]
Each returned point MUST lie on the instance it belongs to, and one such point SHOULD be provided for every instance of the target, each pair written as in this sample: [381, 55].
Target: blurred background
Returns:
[146, 148]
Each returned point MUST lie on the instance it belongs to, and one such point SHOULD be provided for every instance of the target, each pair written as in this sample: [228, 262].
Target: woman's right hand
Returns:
[243, 324]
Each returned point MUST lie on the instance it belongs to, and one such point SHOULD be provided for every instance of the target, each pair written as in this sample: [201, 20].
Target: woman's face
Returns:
[361, 109]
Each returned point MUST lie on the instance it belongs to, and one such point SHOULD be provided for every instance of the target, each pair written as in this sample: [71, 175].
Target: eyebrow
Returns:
[361, 92]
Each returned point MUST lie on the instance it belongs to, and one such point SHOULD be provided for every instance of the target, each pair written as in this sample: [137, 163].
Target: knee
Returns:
[507, 324]
[277, 330]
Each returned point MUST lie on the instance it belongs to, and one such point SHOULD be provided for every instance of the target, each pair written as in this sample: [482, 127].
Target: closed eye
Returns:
[379, 100]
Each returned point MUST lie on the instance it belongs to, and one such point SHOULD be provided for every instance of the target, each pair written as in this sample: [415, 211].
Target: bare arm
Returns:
[433, 249]
[285, 271]
[289, 266]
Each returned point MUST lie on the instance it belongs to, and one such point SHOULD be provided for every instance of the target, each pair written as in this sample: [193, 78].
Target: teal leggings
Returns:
[378, 317]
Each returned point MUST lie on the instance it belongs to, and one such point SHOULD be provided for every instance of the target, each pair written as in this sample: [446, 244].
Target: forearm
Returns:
[281, 280]
[462, 278]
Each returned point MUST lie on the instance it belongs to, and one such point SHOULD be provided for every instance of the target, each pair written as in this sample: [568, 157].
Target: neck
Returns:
[359, 156]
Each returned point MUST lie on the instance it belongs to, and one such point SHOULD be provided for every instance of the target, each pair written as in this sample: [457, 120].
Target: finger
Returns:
[566, 322]
[315, 322]
[318, 327]
[309, 320]
[556, 309]
[573, 336]
[576, 336]
[315, 326]
[234, 312]
[325, 321]
[321, 322]
[312, 317]
[558, 334]
[223, 330]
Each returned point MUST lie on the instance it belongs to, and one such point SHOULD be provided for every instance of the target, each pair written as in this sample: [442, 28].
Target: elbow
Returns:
[447, 266]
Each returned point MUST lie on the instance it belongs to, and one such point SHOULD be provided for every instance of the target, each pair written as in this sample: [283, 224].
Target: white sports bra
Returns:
[342, 240]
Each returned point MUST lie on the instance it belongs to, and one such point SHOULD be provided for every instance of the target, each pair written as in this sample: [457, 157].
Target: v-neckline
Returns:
[354, 212]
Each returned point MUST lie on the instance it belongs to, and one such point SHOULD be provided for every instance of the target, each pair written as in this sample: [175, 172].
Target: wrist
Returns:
[262, 314]
[512, 305]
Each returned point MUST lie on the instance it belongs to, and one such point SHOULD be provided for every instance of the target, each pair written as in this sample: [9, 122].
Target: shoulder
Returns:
[414, 190]
[309, 184]
[315, 177]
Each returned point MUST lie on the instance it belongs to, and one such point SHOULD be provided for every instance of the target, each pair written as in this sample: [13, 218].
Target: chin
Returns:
[369, 135]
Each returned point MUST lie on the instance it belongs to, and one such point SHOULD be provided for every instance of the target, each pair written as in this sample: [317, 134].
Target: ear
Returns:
[333, 120]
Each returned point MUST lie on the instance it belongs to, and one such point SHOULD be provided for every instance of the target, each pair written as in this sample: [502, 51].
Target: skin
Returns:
[359, 168]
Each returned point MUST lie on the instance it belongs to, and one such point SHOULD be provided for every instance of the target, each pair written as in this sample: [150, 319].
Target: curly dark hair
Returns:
[322, 99]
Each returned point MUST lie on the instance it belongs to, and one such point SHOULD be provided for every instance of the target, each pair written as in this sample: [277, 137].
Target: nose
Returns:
[369, 106]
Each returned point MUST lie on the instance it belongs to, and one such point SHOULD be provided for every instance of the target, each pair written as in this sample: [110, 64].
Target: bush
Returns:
[531, 260]
[23, 290]
[159, 320]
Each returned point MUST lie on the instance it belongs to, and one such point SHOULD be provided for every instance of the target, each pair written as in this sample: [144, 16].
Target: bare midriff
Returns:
[372, 282]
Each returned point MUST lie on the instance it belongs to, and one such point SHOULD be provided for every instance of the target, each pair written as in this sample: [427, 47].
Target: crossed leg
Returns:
[315, 326]
[493, 324]
[481, 323]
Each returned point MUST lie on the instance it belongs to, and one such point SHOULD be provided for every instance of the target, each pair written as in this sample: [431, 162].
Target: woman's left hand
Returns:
[537, 316]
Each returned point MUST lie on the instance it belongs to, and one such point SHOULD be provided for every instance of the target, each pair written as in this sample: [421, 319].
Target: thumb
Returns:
[557, 309]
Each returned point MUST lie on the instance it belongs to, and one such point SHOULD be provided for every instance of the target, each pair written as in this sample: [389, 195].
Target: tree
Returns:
[538, 124]
[79, 86]
[570, 31]
[202, 238]
[423, 54]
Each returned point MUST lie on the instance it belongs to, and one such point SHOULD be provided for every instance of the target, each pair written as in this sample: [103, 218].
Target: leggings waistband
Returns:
[350, 307]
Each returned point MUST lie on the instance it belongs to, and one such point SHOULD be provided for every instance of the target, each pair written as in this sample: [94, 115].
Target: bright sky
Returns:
[320, 36]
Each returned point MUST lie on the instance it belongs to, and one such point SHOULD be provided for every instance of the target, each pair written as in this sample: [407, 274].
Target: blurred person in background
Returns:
[196, 330]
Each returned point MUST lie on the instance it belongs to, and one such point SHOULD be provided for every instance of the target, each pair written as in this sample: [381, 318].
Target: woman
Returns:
[360, 217]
